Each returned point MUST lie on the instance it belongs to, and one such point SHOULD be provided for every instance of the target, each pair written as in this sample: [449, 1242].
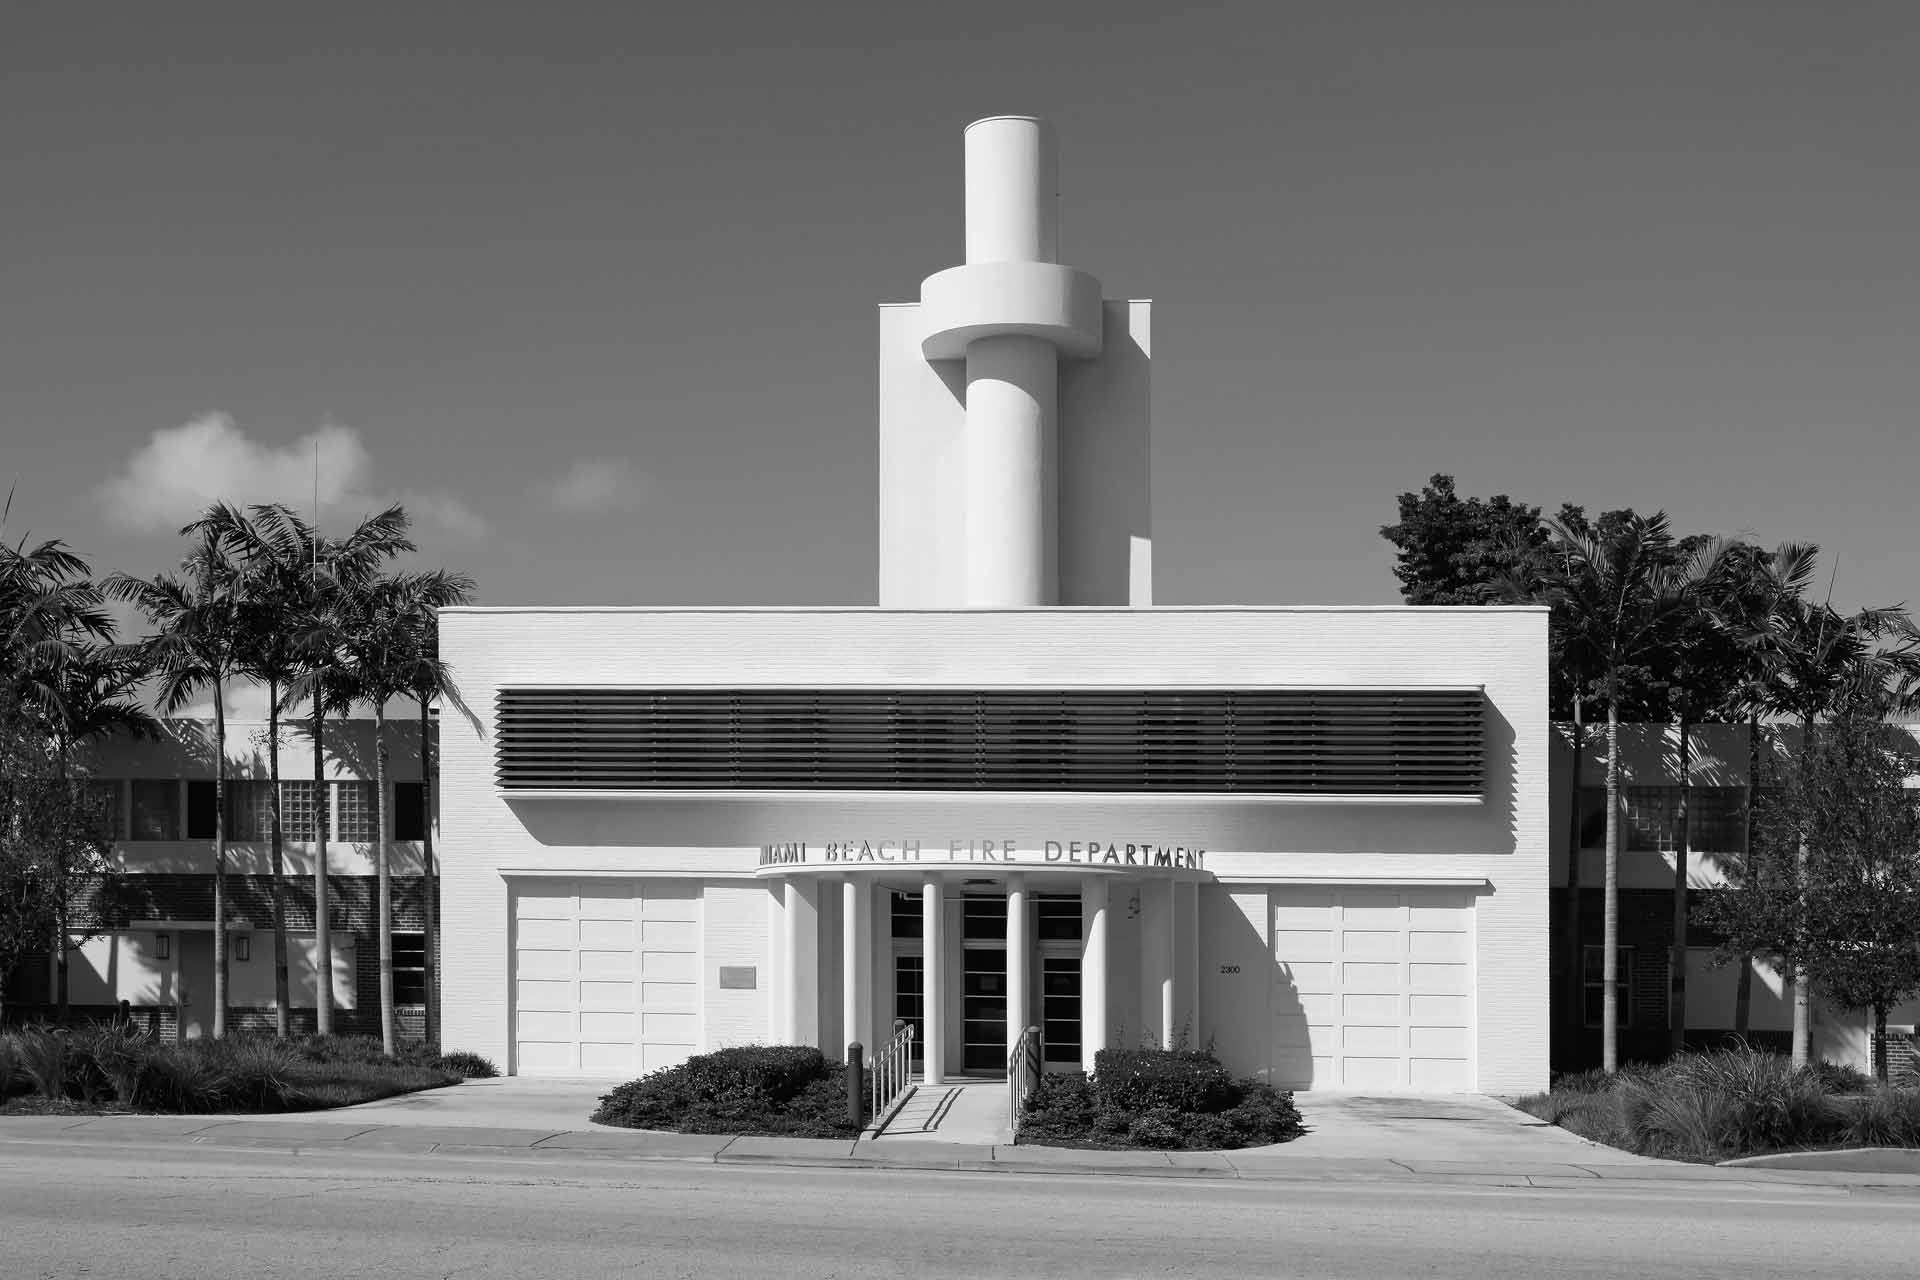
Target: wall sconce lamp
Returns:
[163, 946]
[243, 948]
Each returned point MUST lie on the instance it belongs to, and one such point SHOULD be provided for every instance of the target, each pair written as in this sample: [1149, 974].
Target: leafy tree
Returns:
[1832, 887]
[1454, 550]
[51, 837]
[197, 648]
[1816, 660]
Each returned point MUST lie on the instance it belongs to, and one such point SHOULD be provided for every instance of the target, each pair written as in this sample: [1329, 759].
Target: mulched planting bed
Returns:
[1158, 1100]
[1726, 1104]
[789, 1091]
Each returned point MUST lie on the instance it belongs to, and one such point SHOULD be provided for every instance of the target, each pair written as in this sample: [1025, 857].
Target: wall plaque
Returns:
[738, 977]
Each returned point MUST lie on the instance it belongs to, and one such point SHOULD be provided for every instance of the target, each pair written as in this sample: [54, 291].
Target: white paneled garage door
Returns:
[1374, 989]
[605, 976]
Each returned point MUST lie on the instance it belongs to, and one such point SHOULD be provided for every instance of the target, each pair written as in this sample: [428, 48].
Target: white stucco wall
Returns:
[1500, 844]
[1104, 499]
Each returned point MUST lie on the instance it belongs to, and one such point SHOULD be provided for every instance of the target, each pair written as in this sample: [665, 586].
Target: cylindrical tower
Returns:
[1011, 312]
[1013, 196]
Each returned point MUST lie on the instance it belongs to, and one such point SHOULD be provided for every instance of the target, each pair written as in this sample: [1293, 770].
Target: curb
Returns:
[1828, 1182]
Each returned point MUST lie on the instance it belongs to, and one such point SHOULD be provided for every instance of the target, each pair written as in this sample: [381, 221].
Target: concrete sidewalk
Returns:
[1588, 1166]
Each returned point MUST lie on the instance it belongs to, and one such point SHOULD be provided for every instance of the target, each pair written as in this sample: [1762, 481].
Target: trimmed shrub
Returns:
[1143, 1080]
[1191, 1102]
[789, 1090]
[776, 1072]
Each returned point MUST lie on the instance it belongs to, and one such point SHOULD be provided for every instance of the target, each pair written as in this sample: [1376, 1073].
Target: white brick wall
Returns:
[1250, 842]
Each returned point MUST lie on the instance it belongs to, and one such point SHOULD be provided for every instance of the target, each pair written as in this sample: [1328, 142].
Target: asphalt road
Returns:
[208, 1214]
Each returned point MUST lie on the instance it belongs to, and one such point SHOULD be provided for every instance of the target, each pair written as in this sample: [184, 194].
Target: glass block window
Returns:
[355, 811]
[296, 811]
[1651, 819]
[409, 968]
[156, 809]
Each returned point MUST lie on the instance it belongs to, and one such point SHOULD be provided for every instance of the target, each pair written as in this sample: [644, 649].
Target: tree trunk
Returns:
[1575, 983]
[1610, 936]
[429, 887]
[62, 918]
[1743, 983]
[1682, 848]
[1802, 988]
[385, 876]
[1880, 1043]
[281, 994]
[219, 861]
[322, 908]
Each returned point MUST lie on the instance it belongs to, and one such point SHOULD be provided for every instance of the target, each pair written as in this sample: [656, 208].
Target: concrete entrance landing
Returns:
[970, 1111]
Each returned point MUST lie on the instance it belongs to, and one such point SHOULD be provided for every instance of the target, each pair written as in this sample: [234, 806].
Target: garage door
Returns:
[1374, 989]
[605, 976]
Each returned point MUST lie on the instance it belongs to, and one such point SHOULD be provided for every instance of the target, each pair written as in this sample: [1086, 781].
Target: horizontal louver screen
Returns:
[1372, 742]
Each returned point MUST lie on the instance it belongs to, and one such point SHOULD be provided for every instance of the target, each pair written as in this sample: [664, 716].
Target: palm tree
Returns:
[54, 633]
[1751, 607]
[270, 550]
[88, 696]
[333, 571]
[47, 600]
[1617, 591]
[382, 648]
[1703, 667]
[427, 678]
[196, 648]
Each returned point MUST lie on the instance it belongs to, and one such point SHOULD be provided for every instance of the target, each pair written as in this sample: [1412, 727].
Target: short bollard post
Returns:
[855, 1117]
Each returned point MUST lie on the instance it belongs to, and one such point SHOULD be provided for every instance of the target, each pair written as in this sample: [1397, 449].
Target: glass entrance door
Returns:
[983, 1008]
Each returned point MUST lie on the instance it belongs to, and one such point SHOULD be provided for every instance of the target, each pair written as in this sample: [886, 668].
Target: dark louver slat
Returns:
[1276, 742]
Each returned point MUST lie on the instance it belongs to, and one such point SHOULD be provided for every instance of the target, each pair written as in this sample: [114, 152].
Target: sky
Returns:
[590, 288]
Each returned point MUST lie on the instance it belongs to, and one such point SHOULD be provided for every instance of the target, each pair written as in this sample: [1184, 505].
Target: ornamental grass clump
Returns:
[115, 1068]
[1728, 1103]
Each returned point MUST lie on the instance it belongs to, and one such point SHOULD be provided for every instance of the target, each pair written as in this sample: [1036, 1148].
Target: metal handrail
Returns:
[892, 1072]
[1023, 1074]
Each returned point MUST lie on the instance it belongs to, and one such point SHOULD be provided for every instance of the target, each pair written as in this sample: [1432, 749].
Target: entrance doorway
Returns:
[983, 1008]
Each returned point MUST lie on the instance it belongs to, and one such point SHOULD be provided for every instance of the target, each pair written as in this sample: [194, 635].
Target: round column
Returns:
[1011, 446]
[1093, 970]
[1019, 1015]
[933, 983]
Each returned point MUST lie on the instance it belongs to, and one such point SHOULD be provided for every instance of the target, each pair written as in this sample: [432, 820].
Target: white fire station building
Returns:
[1015, 793]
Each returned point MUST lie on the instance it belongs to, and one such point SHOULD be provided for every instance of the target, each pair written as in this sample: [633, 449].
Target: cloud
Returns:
[180, 470]
[592, 486]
